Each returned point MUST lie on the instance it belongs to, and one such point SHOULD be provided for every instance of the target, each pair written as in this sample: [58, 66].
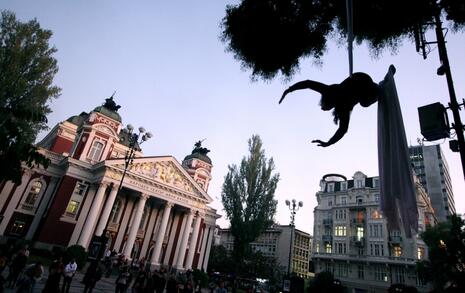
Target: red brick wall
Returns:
[62, 145]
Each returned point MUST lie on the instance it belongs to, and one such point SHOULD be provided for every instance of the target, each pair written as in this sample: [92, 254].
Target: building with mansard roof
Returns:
[351, 239]
[160, 212]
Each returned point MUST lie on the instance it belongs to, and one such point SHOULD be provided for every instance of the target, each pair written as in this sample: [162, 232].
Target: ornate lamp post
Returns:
[293, 207]
[135, 140]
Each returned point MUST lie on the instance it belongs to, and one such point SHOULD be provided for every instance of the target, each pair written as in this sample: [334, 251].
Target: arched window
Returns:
[32, 195]
[96, 151]
[115, 211]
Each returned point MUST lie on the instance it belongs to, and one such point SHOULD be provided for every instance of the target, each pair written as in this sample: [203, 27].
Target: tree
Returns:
[248, 197]
[272, 36]
[446, 250]
[325, 282]
[27, 69]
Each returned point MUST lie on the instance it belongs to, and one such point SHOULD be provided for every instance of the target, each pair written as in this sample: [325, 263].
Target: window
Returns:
[359, 199]
[32, 196]
[361, 272]
[399, 275]
[344, 200]
[377, 197]
[72, 208]
[318, 248]
[331, 187]
[343, 186]
[376, 214]
[328, 248]
[358, 183]
[420, 252]
[397, 251]
[375, 182]
[96, 151]
[380, 273]
[330, 202]
[359, 233]
[80, 188]
[340, 231]
[18, 227]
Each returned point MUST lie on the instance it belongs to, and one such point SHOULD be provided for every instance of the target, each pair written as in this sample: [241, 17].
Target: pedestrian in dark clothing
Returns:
[123, 281]
[140, 283]
[16, 267]
[30, 277]
[171, 285]
[188, 288]
[159, 281]
[55, 271]
[93, 274]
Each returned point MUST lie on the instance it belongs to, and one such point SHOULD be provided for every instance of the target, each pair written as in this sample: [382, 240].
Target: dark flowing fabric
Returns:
[397, 189]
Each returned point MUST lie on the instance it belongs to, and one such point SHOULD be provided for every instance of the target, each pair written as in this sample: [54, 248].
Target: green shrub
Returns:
[200, 277]
[77, 252]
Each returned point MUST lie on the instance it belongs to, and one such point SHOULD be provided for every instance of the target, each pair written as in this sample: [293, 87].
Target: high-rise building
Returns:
[351, 239]
[151, 207]
[431, 168]
[291, 247]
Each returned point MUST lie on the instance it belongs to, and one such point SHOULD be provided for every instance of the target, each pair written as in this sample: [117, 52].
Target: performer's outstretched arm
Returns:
[305, 84]
[344, 119]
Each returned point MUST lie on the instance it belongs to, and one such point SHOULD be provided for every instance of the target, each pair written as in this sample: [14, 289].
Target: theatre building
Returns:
[159, 213]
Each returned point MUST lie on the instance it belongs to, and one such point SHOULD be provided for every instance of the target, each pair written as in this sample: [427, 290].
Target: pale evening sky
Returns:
[173, 76]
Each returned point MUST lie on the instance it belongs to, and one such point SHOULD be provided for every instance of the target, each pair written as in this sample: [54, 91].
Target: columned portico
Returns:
[193, 242]
[155, 260]
[107, 210]
[92, 216]
[184, 239]
[208, 247]
[135, 225]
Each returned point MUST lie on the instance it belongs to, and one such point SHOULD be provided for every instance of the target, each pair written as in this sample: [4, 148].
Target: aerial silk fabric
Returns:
[397, 189]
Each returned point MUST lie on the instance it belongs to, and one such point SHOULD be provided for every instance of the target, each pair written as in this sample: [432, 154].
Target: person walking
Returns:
[55, 271]
[123, 281]
[17, 266]
[92, 276]
[68, 273]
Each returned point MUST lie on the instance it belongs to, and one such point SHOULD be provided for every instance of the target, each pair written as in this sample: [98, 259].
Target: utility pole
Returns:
[445, 69]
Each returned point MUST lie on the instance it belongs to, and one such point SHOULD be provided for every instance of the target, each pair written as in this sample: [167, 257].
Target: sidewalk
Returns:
[104, 285]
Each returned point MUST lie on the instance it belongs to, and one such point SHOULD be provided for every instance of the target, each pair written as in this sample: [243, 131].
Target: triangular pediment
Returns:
[163, 170]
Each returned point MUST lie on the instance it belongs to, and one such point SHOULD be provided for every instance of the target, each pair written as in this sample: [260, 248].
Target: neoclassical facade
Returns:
[159, 213]
[351, 239]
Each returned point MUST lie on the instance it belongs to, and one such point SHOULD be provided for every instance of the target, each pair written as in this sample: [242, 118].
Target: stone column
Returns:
[92, 215]
[209, 245]
[184, 239]
[43, 206]
[135, 225]
[203, 247]
[193, 243]
[106, 211]
[155, 260]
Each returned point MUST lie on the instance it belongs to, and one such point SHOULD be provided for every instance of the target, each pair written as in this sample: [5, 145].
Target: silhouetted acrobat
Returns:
[342, 97]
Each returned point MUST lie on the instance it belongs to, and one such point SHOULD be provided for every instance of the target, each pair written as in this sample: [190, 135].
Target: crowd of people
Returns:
[134, 276]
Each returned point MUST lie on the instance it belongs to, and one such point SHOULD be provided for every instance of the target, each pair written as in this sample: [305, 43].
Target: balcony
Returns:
[327, 222]
[27, 207]
[395, 239]
[327, 238]
[357, 222]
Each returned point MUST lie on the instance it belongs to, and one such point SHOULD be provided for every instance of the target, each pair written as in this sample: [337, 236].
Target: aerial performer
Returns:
[398, 197]
[358, 88]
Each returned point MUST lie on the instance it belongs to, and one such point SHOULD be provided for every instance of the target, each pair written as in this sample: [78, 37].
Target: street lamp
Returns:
[135, 140]
[293, 207]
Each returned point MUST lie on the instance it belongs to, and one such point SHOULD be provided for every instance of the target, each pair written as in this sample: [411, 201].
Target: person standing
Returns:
[123, 280]
[30, 277]
[17, 266]
[54, 276]
[69, 272]
[93, 274]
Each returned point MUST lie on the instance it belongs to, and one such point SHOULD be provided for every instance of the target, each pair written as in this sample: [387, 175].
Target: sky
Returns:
[172, 75]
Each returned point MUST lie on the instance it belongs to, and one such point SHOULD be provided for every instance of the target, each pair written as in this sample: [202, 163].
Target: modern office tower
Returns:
[276, 242]
[431, 168]
[351, 239]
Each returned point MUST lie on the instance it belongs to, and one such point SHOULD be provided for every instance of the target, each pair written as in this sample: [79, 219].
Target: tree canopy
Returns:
[248, 196]
[27, 69]
[272, 36]
[445, 266]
